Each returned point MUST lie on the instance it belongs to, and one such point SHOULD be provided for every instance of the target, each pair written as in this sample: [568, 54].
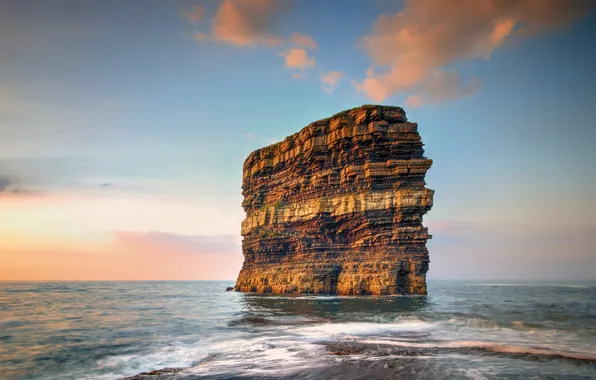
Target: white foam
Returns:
[334, 330]
[119, 366]
[262, 355]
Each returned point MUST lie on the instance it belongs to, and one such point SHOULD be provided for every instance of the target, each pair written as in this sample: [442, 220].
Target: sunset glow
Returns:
[124, 130]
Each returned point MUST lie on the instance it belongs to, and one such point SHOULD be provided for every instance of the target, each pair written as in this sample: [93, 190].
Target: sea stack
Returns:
[337, 208]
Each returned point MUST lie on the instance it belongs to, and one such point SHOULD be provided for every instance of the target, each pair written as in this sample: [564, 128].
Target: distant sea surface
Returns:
[462, 330]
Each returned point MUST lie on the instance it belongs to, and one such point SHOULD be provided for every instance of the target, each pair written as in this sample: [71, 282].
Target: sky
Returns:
[124, 126]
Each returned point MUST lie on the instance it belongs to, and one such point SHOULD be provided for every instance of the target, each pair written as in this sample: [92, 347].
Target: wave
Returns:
[278, 347]
[260, 321]
[331, 330]
[287, 356]
[487, 346]
[278, 351]
[275, 349]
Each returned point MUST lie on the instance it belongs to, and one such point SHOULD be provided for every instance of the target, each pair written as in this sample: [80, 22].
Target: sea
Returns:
[197, 330]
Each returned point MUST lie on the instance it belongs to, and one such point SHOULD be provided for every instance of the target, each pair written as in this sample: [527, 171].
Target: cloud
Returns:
[414, 101]
[190, 244]
[194, 14]
[297, 59]
[303, 40]
[252, 23]
[330, 80]
[440, 86]
[246, 23]
[241, 22]
[409, 48]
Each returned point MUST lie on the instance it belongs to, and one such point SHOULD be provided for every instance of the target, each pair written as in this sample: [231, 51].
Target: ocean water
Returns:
[462, 330]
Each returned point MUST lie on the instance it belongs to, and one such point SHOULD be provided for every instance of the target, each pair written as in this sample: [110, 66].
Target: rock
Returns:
[229, 288]
[337, 208]
[345, 348]
[250, 321]
[153, 374]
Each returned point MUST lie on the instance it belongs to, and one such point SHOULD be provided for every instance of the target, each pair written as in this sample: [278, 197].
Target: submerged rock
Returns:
[337, 208]
[155, 374]
[250, 321]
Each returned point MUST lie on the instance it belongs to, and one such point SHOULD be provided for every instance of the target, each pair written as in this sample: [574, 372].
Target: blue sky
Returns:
[135, 117]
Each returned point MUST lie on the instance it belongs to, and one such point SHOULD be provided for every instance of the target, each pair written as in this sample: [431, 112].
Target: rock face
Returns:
[337, 208]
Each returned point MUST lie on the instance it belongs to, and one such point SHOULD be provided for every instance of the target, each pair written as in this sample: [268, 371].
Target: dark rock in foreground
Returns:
[337, 208]
[152, 374]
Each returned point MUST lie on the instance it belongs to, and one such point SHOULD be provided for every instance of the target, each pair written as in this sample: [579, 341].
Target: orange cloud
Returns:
[298, 59]
[330, 80]
[241, 22]
[409, 47]
[250, 23]
[247, 23]
[502, 30]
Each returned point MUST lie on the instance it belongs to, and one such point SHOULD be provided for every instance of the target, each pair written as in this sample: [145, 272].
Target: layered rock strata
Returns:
[337, 208]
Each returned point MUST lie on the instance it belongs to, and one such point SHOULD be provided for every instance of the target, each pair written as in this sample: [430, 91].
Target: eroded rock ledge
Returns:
[337, 208]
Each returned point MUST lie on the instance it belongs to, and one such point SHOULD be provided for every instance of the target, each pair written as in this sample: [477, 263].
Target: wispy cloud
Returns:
[303, 40]
[414, 101]
[330, 80]
[441, 85]
[252, 23]
[241, 22]
[410, 49]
